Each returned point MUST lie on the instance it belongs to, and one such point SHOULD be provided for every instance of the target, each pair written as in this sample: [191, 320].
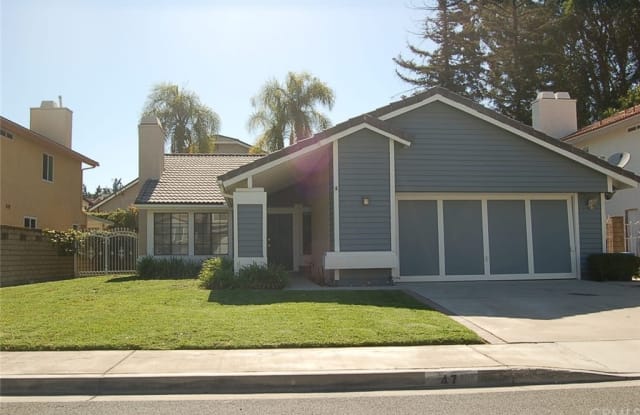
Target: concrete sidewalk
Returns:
[325, 369]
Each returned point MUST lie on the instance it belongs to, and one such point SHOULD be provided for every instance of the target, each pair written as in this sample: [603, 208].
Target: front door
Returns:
[280, 239]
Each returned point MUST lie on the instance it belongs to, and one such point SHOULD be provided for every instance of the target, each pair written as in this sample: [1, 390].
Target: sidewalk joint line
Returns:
[119, 362]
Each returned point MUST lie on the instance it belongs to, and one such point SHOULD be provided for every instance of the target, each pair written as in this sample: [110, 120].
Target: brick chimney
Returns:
[150, 149]
[554, 114]
[52, 121]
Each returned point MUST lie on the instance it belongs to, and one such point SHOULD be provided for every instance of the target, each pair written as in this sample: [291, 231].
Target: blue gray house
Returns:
[430, 188]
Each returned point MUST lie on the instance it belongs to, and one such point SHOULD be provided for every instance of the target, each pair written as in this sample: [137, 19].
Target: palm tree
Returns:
[189, 125]
[289, 111]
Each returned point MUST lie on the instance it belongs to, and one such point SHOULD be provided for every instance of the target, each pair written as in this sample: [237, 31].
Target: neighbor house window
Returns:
[211, 233]
[30, 222]
[47, 167]
[171, 233]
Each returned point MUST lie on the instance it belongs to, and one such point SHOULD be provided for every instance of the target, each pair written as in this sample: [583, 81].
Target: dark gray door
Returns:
[280, 240]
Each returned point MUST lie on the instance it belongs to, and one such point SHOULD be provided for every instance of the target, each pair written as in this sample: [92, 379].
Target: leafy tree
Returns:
[602, 53]
[189, 125]
[590, 48]
[116, 185]
[631, 99]
[456, 62]
[288, 110]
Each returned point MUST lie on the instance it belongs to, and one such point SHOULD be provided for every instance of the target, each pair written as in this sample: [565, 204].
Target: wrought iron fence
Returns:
[107, 252]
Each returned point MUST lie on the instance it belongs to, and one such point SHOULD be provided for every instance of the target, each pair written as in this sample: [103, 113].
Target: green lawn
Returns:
[112, 312]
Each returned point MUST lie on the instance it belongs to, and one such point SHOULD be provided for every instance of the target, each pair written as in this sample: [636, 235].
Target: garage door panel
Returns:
[463, 243]
[550, 235]
[507, 237]
[418, 228]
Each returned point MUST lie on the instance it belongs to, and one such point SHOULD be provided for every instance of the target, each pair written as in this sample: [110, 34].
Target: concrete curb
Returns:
[292, 382]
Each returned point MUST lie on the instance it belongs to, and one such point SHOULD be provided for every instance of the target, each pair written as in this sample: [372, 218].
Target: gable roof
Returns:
[226, 139]
[606, 122]
[191, 179]
[364, 121]
[124, 189]
[378, 117]
[43, 140]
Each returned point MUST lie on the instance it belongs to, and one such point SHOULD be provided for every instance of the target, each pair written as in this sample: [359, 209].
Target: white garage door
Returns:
[468, 237]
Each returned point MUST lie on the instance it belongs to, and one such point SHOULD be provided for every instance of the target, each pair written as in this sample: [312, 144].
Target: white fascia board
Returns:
[360, 260]
[313, 147]
[620, 178]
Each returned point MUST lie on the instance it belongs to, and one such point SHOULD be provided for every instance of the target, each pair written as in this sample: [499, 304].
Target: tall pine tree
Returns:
[455, 63]
[516, 51]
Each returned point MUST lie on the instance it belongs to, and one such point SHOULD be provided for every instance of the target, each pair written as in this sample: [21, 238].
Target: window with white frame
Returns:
[211, 233]
[171, 233]
[47, 167]
[30, 222]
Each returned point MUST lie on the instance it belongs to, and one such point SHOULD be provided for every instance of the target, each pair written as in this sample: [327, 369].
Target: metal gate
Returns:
[107, 252]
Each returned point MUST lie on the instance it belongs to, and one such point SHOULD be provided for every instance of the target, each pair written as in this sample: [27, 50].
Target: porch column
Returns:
[249, 227]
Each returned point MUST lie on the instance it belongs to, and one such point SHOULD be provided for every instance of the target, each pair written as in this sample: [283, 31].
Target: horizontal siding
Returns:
[452, 151]
[364, 172]
[590, 229]
[250, 231]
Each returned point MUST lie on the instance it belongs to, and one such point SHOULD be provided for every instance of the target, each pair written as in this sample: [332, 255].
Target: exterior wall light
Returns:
[592, 203]
[365, 200]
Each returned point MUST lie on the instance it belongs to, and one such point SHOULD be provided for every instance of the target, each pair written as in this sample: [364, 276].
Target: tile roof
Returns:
[191, 179]
[617, 117]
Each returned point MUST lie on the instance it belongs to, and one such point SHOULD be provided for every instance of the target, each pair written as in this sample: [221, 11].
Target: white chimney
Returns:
[554, 114]
[52, 121]
[150, 148]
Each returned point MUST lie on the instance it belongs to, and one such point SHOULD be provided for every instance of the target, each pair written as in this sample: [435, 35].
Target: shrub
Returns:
[151, 267]
[613, 267]
[260, 277]
[65, 241]
[217, 273]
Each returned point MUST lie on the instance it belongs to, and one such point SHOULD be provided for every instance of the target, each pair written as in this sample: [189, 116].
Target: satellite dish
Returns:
[620, 159]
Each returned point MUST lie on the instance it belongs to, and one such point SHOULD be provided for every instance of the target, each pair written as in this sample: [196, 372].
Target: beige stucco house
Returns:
[40, 174]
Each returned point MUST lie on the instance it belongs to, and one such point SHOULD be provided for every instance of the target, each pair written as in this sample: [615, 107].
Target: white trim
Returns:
[609, 184]
[313, 147]
[513, 130]
[336, 275]
[250, 182]
[495, 277]
[253, 196]
[441, 256]
[572, 227]
[191, 246]
[485, 238]
[336, 199]
[603, 215]
[393, 220]
[576, 228]
[529, 225]
[150, 233]
[572, 242]
[360, 260]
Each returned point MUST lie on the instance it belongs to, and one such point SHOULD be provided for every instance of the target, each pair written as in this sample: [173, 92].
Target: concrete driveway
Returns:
[540, 311]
